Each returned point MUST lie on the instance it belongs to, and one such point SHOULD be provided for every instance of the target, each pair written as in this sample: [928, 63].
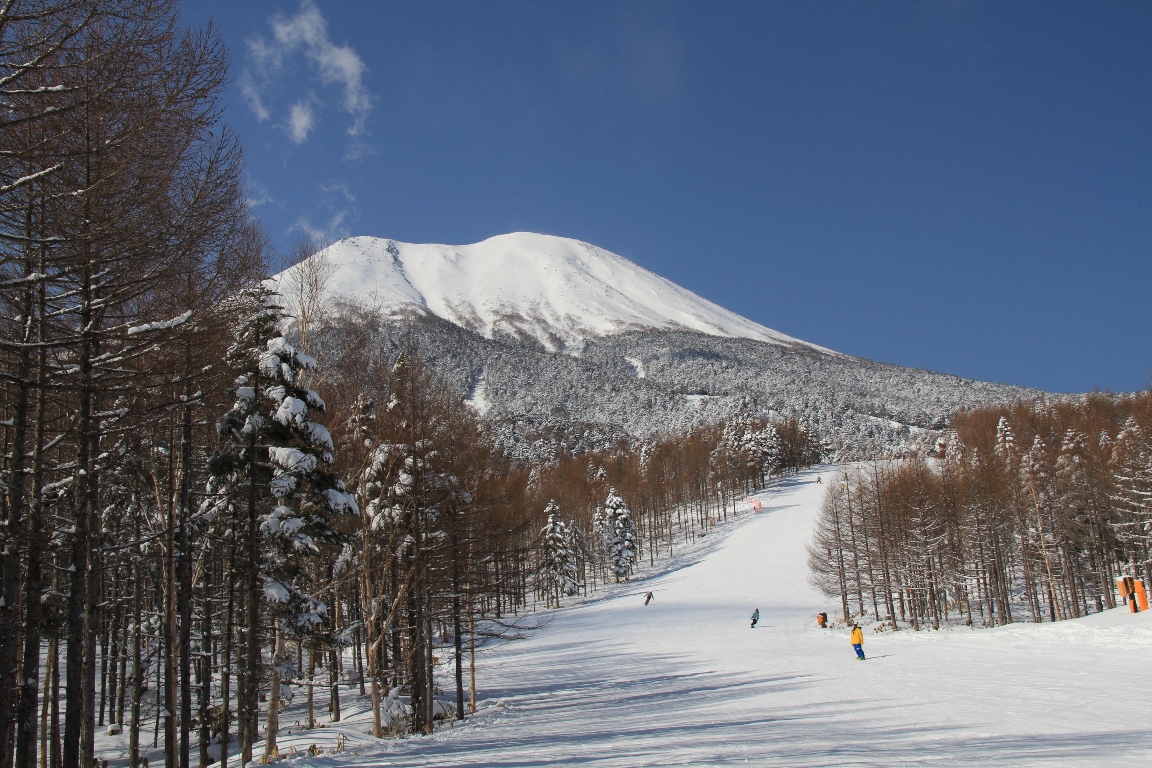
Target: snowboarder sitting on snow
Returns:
[858, 641]
[648, 598]
[755, 617]
[822, 619]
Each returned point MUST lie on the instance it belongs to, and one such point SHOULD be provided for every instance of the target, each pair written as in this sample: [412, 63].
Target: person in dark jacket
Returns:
[755, 617]
[648, 598]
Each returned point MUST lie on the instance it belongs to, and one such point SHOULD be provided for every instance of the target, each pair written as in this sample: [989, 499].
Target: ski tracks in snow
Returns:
[685, 681]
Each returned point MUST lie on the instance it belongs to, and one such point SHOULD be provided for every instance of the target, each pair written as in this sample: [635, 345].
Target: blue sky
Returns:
[960, 186]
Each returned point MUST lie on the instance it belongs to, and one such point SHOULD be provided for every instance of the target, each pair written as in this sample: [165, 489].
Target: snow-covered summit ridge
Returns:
[556, 290]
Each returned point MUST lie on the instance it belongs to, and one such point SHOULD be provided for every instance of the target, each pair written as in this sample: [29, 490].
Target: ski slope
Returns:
[686, 681]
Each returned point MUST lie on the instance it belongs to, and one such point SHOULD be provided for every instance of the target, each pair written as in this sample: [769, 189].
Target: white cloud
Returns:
[305, 33]
[333, 188]
[251, 93]
[300, 121]
[256, 194]
[334, 207]
[326, 234]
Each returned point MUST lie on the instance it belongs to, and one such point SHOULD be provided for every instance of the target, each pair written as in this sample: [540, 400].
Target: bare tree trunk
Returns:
[114, 648]
[471, 656]
[92, 626]
[161, 661]
[57, 760]
[44, 705]
[307, 283]
[205, 670]
[226, 674]
[273, 724]
[1044, 546]
[17, 476]
[78, 578]
[33, 577]
[335, 672]
[457, 626]
[369, 611]
[105, 636]
[311, 722]
[429, 679]
[841, 573]
[855, 547]
[184, 564]
[415, 659]
[171, 642]
[358, 638]
[121, 693]
[138, 671]
[250, 705]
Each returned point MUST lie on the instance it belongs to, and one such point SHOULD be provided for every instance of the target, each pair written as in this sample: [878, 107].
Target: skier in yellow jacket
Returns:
[858, 641]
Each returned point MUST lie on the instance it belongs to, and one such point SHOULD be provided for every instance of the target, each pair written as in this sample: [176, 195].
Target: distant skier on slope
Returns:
[858, 641]
[755, 617]
[822, 619]
[648, 598]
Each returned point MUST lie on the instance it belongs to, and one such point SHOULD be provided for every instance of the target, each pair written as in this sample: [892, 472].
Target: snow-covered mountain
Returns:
[565, 347]
[558, 291]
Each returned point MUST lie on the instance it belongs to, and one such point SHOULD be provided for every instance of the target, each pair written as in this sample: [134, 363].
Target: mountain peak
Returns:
[556, 290]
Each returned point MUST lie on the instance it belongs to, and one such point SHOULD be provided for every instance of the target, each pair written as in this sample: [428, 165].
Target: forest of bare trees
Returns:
[1028, 513]
[184, 545]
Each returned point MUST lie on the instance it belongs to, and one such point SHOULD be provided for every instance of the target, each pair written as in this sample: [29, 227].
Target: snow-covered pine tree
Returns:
[1006, 442]
[601, 542]
[557, 557]
[273, 468]
[620, 535]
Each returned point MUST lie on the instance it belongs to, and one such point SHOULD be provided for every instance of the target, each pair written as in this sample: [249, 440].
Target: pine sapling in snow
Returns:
[619, 535]
[558, 557]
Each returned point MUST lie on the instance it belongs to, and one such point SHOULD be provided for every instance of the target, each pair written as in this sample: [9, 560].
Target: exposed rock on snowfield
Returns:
[565, 346]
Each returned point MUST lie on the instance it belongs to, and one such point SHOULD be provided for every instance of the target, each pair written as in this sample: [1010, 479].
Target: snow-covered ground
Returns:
[686, 681]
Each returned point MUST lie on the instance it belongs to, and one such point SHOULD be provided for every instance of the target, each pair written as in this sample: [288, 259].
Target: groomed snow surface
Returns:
[686, 681]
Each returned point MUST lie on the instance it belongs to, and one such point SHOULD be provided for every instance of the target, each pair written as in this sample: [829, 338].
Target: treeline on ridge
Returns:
[658, 383]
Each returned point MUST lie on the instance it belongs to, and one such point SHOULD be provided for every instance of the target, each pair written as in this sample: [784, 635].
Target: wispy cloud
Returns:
[338, 188]
[639, 58]
[256, 194]
[304, 34]
[325, 234]
[253, 95]
[300, 121]
[335, 212]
